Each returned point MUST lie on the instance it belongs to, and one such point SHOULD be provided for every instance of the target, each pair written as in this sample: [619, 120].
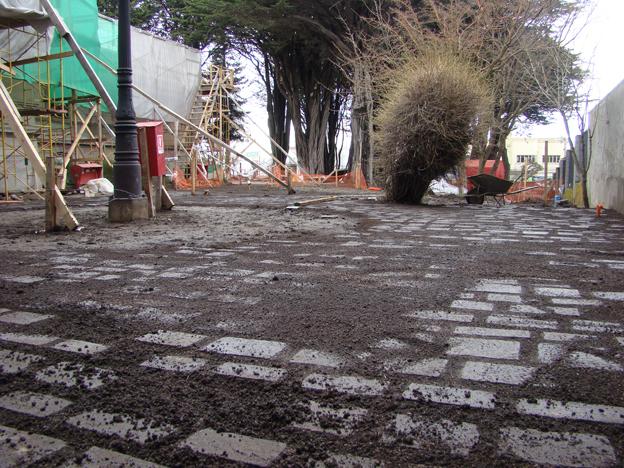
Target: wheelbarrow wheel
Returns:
[474, 198]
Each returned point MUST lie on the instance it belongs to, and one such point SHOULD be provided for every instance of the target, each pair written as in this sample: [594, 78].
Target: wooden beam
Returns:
[6, 68]
[72, 148]
[41, 58]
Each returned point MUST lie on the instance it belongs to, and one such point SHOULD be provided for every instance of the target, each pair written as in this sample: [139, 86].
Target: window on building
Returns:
[552, 158]
[522, 158]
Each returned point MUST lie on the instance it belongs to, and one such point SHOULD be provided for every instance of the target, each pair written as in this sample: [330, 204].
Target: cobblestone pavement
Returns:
[448, 335]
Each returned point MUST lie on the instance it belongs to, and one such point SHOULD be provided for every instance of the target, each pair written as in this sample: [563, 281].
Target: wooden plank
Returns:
[146, 180]
[314, 201]
[39, 112]
[167, 201]
[42, 58]
[72, 148]
[6, 68]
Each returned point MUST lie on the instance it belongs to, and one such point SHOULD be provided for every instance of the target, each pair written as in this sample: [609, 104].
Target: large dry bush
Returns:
[428, 116]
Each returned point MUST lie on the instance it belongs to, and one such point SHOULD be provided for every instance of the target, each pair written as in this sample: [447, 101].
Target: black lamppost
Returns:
[127, 203]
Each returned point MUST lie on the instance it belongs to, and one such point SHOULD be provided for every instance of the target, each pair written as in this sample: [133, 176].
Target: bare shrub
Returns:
[427, 119]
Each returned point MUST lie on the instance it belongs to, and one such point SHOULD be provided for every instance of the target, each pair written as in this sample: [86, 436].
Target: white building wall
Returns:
[606, 169]
[519, 148]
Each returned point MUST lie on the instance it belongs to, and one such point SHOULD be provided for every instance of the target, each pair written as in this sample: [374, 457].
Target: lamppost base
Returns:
[125, 210]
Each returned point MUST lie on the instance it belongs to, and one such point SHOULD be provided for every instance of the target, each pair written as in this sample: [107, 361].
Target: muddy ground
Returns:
[375, 286]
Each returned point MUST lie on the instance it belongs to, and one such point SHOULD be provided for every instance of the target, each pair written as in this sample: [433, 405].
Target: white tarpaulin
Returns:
[27, 41]
[166, 70]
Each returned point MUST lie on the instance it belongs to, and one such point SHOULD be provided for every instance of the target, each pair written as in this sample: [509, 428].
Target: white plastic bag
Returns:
[96, 187]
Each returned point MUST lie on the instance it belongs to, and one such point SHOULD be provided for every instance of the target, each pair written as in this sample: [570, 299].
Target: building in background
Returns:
[530, 151]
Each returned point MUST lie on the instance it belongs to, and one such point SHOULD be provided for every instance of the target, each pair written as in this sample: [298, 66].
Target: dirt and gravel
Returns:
[343, 277]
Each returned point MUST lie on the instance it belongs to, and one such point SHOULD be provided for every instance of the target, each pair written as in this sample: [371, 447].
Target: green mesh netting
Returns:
[94, 34]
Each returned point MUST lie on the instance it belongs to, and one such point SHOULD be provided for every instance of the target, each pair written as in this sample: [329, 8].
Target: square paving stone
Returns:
[485, 348]
[97, 457]
[572, 410]
[495, 287]
[23, 318]
[554, 336]
[492, 297]
[351, 385]
[34, 340]
[33, 404]
[18, 448]
[496, 373]
[127, 427]
[324, 418]
[610, 296]
[172, 338]
[250, 371]
[348, 461]
[557, 448]
[450, 396]
[81, 347]
[246, 347]
[317, 358]
[175, 363]
[235, 447]
[72, 374]
[12, 362]
[547, 353]
[596, 326]
[458, 438]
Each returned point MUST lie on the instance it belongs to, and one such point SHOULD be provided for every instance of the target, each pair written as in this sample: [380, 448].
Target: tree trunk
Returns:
[278, 111]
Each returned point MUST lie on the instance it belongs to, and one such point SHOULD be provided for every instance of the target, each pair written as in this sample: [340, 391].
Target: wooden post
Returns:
[99, 130]
[462, 178]
[50, 203]
[145, 172]
[545, 172]
[525, 169]
[193, 170]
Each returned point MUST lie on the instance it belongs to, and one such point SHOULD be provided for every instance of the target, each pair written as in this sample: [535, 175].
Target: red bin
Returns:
[84, 172]
[155, 147]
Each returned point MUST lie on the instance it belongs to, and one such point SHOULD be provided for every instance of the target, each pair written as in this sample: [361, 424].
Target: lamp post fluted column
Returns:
[127, 203]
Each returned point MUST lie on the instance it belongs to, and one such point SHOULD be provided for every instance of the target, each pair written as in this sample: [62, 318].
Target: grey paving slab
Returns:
[23, 318]
[34, 340]
[33, 404]
[13, 362]
[496, 287]
[557, 292]
[22, 279]
[429, 367]
[555, 336]
[547, 353]
[246, 347]
[320, 417]
[494, 297]
[571, 410]
[440, 315]
[495, 332]
[472, 305]
[391, 344]
[175, 363]
[526, 309]
[114, 424]
[80, 347]
[250, 371]
[496, 373]
[172, 338]
[97, 457]
[458, 438]
[352, 385]
[591, 361]
[19, 448]
[484, 348]
[317, 358]
[521, 322]
[575, 302]
[609, 295]
[235, 447]
[597, 326]
[557, 448]
[450, 396]
[75, 374]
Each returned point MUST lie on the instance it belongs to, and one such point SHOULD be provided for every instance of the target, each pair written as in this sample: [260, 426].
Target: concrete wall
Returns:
[606, 170]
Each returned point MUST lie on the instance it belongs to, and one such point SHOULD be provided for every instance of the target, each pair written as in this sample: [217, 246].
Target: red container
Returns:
[84, 172]
[155, 147]
[472, 169]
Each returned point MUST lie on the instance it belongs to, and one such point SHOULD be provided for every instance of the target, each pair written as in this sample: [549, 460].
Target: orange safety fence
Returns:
[180, 182]
[535, 195]
[353, 179]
